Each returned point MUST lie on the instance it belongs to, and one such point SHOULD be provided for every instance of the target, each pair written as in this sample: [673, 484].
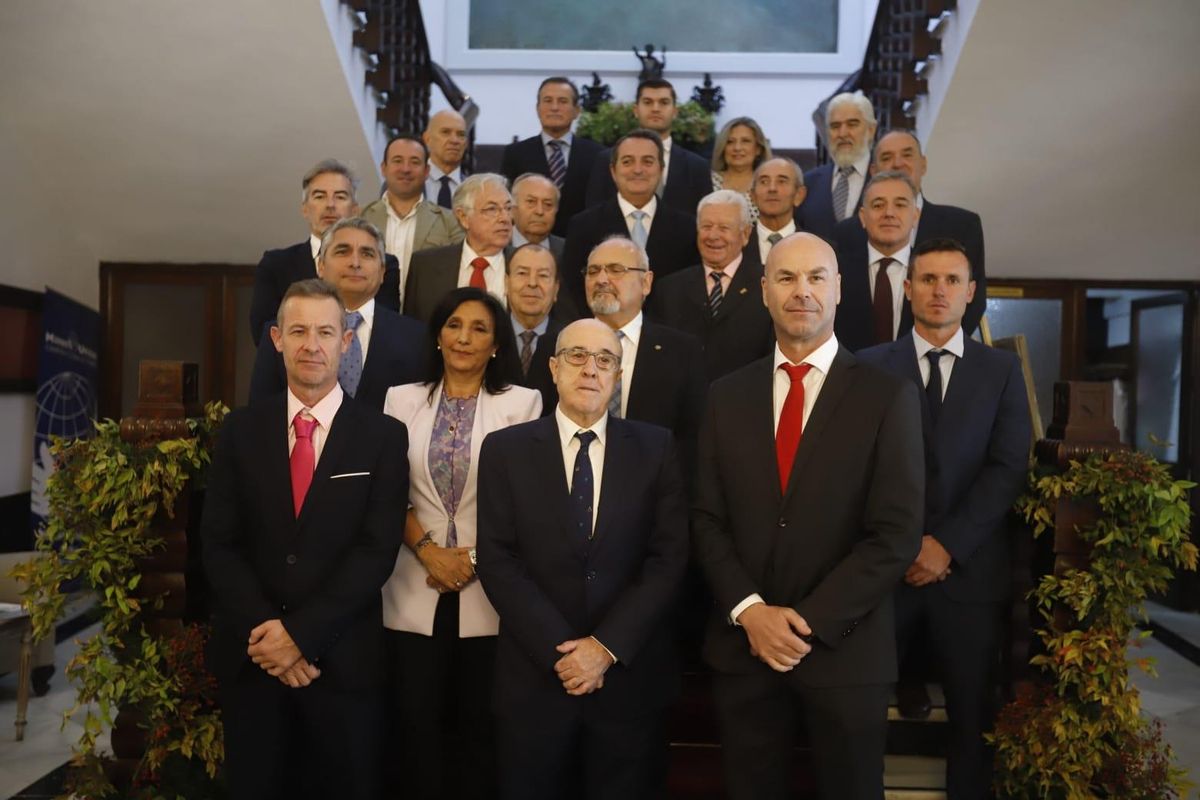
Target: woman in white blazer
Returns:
[440, 625]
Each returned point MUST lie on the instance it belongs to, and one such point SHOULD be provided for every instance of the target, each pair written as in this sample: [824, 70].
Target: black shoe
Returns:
[912, 700]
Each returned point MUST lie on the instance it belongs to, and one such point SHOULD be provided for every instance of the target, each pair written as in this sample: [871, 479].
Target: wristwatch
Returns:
[427, 539]
[474, 559]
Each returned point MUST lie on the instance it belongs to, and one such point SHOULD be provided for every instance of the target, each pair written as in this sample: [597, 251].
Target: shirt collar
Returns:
[821, 358]
[495, 260]
[729, 269]
[436, 173]
[315, 243]
[518, 238]
[633, 329]
[323, 412]
[367, 310]
[567, 139]
[539, 329]
[567, 429]
[628, 208]
[955, 345]
[901, 255]
[391, 212]
[863, 164]
[785, 231]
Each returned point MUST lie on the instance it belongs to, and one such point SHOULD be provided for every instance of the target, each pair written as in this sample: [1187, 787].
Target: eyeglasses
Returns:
[493, 210]
[577, 357]
[613, 270]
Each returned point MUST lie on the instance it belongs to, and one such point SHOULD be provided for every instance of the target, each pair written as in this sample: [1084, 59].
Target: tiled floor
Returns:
[1173, 697]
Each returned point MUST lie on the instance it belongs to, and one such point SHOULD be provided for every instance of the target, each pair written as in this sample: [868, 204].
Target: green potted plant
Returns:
[1080, 732]
[693, 126]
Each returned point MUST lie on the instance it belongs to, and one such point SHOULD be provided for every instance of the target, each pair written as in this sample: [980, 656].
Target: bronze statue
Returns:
[595, 94]
[709, 97]
[651, 66]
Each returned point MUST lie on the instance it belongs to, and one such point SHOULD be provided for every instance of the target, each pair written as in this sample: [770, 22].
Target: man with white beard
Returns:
[834, 189]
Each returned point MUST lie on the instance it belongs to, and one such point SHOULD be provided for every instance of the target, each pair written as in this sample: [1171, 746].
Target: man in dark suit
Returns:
[662, 370]
[688, 177]
[666, 234]
[387, 348]
[445, 138]
[835, 189]
[535, 207]
[327, 196]
[874, 309]
[807, 512]
[719, 301]
[556, 153]
[900, 151]
[484, 208]
[975, 419]
[296, 564]
[778, 190]
[582, 546]
[532, 286]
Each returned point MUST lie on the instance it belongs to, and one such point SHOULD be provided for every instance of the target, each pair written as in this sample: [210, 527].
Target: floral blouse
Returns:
[450, 454]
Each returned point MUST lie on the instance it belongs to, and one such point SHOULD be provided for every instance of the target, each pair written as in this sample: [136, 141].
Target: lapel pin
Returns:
[658, 347]
[744, 290]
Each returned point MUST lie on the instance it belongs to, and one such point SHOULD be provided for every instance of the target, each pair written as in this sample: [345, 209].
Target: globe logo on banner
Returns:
[66, 406]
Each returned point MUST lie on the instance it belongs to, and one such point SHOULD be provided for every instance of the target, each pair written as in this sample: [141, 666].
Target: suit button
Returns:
[283, 608]
[782, 522]
[590, 575]
[291, 559]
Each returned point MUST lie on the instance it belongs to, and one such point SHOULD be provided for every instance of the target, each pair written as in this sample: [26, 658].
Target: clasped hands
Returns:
[271, 647]
[449, 568]
[774, 633]
[582, 667]
[932, 564]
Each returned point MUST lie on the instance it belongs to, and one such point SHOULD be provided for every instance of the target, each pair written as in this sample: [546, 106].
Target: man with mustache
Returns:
[531, 283]
[834, 189]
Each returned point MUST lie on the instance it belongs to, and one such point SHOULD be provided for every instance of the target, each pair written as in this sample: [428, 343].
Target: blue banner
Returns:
[67, 387]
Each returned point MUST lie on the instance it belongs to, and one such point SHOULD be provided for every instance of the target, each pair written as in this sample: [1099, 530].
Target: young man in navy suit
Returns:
[582, 547]
[302, 522]
[975, 419]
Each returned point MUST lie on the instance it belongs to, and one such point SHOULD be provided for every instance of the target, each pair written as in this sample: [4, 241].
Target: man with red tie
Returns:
[301, 526]
[808, 510]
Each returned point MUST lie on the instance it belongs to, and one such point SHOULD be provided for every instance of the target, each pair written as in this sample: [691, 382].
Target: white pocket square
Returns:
[348, 475]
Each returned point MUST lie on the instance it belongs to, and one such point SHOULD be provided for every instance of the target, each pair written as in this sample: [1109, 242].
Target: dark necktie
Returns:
[303, 460]
[791, 422]
[841, 192]
[478, 265]
[527, 338]
[933, 389]
[558, 165]
[581, 487]
[882, 303]
[351, 366]
[717, 294]
[444, 198]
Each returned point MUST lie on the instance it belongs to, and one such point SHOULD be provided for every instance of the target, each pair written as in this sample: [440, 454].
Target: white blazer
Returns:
[408, 603]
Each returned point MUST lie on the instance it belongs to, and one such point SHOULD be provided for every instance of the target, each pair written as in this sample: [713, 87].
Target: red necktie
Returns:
[479, 265]
[304, 460]
[882, 308]
[791, 422]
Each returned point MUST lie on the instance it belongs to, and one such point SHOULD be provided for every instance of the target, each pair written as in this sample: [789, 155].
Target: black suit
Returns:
[832, 546]
[539, 376]
[279, 269]
[395, 356]
[976, 460]
[671, 246]
[740, 333]
[856, 328]
[815, 214]
[320, 575]
[551, 585]
[529, 155]
[668, 386]
[432, 274]
[689, 179]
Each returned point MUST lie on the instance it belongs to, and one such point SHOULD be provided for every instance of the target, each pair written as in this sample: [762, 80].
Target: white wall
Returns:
[783, 105]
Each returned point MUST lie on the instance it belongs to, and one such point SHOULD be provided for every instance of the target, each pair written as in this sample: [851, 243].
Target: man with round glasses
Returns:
[582, 547]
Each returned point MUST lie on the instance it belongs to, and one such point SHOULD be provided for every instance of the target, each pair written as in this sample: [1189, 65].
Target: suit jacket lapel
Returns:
[612, 484]
[839, 379]
[422, 225]
[277, 475]
[744, 282]
[341, 432]
[372, 371]
[548, 462]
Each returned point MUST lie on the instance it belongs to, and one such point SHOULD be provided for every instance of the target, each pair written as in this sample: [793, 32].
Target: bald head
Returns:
[582, 329]
[585, 387]
[446, 138]
[801, 289]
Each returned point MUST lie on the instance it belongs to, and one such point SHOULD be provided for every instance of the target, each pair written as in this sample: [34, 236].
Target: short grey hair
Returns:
[891, 175]
[643, 260]
[311, 287]
[532, 175]
[799, 173]
[726, 197]
[358, 223]
[464, 195]
[329, 165]
[856, 99]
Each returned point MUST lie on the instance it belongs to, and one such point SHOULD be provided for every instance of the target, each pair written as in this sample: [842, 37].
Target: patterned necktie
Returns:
[581, 487]
[527, 338]
[304, 459]
[614, 402]
[791, 422]
[351, 366]
[444, 198]
[716, 295]
[881, 303]
[478, 265]
[639, 233]
[558, 165]
[933, 389]
[841, 192]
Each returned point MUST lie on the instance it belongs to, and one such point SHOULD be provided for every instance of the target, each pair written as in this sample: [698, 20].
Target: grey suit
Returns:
[436, 227]
[431, 275]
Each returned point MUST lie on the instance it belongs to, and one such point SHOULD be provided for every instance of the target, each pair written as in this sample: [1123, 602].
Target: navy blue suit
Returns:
[395, 356]
[815, 214]
[550, 585]
[529, 155]
[976, 462]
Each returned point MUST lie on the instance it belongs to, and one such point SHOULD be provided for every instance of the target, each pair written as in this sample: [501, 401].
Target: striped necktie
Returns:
[558, 164]
[717, 294]
[841, 192]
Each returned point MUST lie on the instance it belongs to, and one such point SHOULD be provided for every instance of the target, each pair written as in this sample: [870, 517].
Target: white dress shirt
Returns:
[363, 331]
[662, 183]
[912, 236]
[398, 237]
[433, 184]
[951, 352]
[315, 243]
[896, 273]
[493, 276]
[629, 348]
[323, 412]
[764, 244]
[856, 181]
[627, 209]
[821, 360]
[570, 448]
